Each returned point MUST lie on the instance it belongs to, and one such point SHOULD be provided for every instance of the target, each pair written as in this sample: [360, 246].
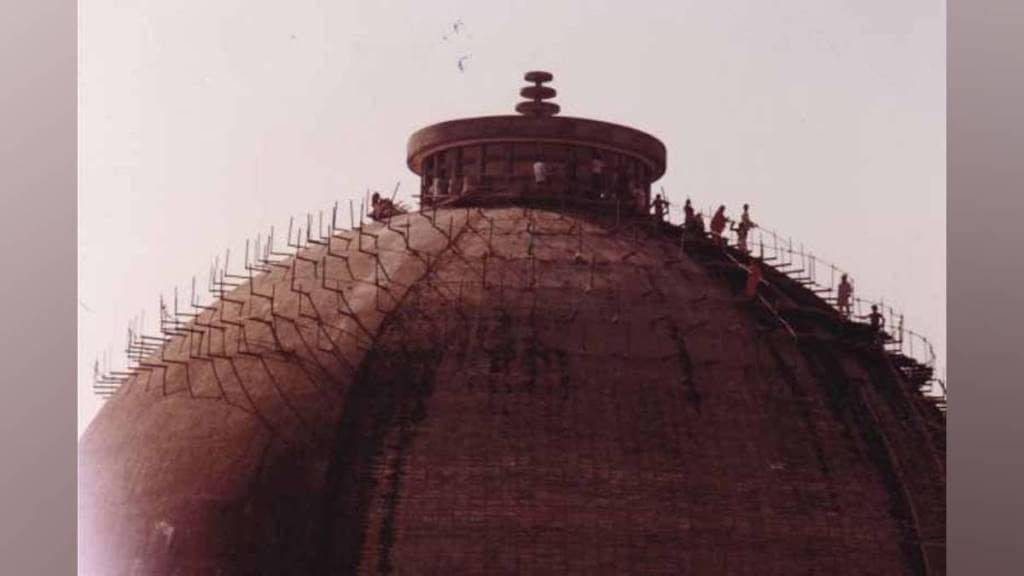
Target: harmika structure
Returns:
[529, 375]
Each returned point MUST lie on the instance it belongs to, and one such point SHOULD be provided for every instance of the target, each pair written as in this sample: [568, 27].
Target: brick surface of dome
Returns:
[526, 376]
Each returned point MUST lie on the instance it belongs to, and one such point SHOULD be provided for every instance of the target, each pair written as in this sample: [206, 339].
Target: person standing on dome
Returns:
[660, 207]
[877, 320]
[698, 224]
[688, 219]
[695, 231]
[743, 228]
[690, 223]
[844, 294]
[718, 222]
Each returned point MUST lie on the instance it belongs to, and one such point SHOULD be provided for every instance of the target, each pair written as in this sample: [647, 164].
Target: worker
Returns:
[431, 189]
[743, 228]
[378, 207]
[718, 222]
[381, 208]
[597, 174]
[540, 172]
[698, 228]
[639, 197]
[877, 321]
[436, 188]
[375, 207]
[688, 215]
[660, 207]
[745, 218]
[467, 185]
[844, 294]
[693, 224]
[754, 276]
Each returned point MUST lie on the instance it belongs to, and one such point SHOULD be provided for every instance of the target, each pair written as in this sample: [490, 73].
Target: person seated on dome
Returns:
[718, 222]
[376, 206]
[382, 208]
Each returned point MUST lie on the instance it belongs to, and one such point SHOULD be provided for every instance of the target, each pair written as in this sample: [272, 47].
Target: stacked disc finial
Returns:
[537, 94]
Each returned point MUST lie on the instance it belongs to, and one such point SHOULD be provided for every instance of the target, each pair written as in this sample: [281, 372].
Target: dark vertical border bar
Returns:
[38, 286]
[985, 146]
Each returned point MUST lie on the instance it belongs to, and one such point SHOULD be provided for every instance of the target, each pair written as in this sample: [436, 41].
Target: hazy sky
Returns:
[202, 123]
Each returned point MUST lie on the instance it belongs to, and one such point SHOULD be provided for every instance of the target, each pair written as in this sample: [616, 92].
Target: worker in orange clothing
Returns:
[754, 276]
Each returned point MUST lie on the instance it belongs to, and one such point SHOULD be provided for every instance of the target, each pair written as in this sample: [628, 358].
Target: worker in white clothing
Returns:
[540, 172]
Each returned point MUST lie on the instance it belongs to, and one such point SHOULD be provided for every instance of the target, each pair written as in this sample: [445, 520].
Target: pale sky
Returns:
[203, 123]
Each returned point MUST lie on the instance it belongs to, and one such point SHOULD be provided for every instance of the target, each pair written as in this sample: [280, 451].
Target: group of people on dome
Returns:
[693, 223]
[694, 227]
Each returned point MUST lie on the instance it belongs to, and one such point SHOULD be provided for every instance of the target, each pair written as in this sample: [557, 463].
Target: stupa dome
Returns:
[531, 381]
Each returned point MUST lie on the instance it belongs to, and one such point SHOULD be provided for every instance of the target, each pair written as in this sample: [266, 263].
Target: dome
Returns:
[478, 388]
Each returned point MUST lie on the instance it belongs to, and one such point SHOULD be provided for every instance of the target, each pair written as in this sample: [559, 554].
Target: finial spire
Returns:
[537, 93]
